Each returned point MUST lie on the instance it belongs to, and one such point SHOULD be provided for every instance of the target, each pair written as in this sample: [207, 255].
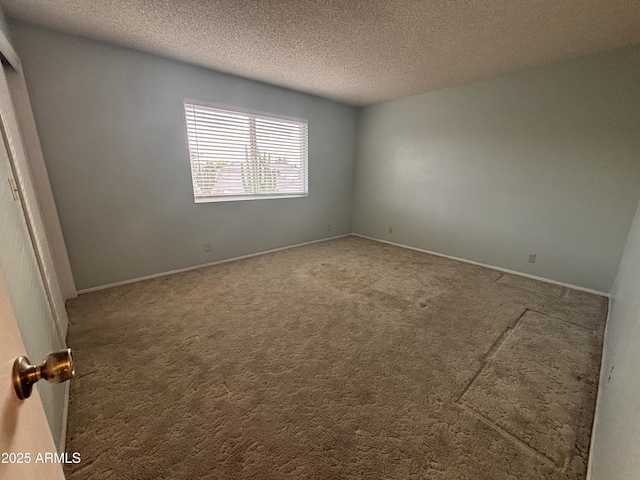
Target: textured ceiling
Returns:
[354, 51]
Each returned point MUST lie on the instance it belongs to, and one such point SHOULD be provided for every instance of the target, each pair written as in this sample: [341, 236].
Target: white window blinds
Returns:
[236, 155]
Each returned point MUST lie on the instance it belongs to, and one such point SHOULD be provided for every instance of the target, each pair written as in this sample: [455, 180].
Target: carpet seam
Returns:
[491, 352]
[509, 435]
[488, 356]
[519, 287]
[563, 320]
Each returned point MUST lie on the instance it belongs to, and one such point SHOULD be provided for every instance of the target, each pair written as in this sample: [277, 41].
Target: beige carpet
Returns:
[346, 359]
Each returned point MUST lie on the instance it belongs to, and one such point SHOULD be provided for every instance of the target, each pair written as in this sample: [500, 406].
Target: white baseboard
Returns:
[204, 265]
[492, 267]
[601, 378]
[264, 252]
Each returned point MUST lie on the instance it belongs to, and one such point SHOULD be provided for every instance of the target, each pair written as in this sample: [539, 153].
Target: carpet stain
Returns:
[346, 359]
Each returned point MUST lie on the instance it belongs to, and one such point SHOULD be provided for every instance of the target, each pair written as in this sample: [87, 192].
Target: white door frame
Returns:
[40, 177]
[12, 134]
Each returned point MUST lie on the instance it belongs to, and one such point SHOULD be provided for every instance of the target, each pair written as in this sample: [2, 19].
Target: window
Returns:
[238, 156]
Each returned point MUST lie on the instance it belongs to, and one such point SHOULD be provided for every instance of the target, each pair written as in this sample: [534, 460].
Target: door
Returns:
[27, 451]
[28, 324]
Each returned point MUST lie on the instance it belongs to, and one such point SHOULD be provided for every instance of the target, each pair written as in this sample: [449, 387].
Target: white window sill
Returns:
[236, 198]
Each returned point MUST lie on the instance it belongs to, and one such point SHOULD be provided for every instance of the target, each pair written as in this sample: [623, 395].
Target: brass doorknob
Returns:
[58, 367]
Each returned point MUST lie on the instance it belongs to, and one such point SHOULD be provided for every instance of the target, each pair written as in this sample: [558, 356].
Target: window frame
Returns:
[244, 111]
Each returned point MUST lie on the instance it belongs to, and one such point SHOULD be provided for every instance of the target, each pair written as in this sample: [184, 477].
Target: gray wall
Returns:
[112, 130]
[617, 421]
[542, 161]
